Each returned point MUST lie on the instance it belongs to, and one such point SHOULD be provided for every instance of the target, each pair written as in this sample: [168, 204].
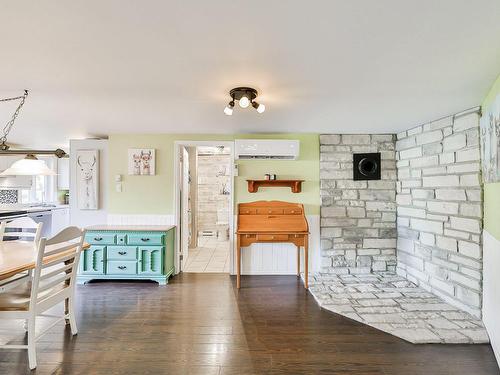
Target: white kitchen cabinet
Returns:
[63, 174]
[15, 182]
[60, 219]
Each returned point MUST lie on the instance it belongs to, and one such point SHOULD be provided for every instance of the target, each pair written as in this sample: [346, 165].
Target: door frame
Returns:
[177, 197]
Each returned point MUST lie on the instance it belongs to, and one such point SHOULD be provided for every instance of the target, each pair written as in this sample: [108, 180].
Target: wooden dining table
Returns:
[20, 256]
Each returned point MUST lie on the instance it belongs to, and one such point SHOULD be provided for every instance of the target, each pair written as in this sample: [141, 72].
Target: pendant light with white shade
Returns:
[30, 165]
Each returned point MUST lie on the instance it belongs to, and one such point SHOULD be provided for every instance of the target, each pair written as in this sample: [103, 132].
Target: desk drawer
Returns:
[269, 211]
[100, 238]
[145, 239]
[122, 252]
[248, 211]
[292, 211]
[272, 237]
[122, 267]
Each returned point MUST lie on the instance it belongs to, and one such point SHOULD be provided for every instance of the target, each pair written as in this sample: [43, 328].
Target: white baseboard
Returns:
[122, 219]
[491, 290]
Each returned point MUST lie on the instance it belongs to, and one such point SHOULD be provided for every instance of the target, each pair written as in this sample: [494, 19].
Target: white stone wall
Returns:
[358, 218]
[440, 209]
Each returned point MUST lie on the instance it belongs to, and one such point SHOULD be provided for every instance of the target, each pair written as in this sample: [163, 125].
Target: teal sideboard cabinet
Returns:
[128, 252]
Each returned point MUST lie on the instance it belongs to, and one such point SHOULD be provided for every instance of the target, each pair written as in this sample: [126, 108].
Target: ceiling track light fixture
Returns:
[245, 96]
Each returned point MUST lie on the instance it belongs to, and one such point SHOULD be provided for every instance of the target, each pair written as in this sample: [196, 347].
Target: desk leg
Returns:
[238, 262]
[298, 261]
[306, 263]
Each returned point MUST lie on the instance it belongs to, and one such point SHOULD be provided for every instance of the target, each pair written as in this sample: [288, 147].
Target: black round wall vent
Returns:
[366, 166]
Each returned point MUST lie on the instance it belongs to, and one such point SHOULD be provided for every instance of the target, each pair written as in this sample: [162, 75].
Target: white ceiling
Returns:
[96, 67]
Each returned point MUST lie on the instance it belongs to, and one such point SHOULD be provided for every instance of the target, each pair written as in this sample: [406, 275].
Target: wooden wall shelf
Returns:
[294, 185]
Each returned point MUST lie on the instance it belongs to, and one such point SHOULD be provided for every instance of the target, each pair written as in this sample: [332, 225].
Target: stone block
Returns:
[469, 297]
[329, 139]
[465, 122]
[471, 154]
[468, 225]
[383, 185]
[355, 139]
[470, 180]
[411, 212]
[441, 123]
[427, 239]
[432, 149]
[426, 226]
[451, 194]
[473, 195]
[469, 249]
[416, 130]
[464, 168]
[411, 153]
[401, 135]
[465, 280]
[429, 137]
[443, 207]
[333, 212]
[356, 212]
[369, 195]
[403, 199]
[441, 170]
[422, 193]
[378, 243]
[335, 157]
[426, 161]
[446, 243]
[405, 143]
[447, 158]
[441, 181]
[349, 184]
[454, 142]
[471, 209]
[380, 206]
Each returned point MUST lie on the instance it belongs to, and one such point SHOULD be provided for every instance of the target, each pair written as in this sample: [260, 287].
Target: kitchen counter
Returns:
[26, 208]
[145, 228]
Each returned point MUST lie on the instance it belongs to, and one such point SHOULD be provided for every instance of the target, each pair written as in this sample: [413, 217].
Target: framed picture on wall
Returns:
[490, 142]
[141, 161]
[87, 179]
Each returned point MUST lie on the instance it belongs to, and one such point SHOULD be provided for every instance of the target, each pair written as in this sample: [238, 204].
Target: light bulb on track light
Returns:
[259, 107]
[244, 102]
[229, 108]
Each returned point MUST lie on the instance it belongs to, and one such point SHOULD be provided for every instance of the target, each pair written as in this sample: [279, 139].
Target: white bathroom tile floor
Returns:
[211, 256]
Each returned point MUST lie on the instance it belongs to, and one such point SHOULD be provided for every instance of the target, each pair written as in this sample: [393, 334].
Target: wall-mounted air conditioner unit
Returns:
[266, 149]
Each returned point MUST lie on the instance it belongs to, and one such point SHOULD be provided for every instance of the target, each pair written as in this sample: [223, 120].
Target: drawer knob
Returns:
[122, 267]
[97, 238]
[145, 239]
[272, 237]
[293, 211]
[122, 252]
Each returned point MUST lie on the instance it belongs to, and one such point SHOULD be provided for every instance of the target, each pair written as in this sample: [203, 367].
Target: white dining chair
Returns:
[23, 227]
[26, 229]
[53, 282]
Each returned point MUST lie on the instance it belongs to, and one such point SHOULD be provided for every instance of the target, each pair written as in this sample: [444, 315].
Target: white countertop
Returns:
[145, 228]
[31, 207]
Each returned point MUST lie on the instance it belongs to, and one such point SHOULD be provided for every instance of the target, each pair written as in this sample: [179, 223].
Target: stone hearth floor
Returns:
[395, 305]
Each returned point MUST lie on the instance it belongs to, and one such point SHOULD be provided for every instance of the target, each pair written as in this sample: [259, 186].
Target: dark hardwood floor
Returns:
[201, 324]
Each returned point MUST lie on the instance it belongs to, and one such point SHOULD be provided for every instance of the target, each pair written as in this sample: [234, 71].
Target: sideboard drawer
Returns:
[269, 211]
[272, 237]
[122, 252]
[100, 238]
[121, 239]
[122, 267]
[145, 239]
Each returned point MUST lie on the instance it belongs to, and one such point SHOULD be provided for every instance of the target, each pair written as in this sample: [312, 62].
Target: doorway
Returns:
[204, 207]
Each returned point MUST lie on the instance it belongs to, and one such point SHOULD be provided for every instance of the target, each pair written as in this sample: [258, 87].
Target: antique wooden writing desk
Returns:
[272, 221]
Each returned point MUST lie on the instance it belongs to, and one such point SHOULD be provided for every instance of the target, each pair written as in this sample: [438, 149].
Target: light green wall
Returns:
[154, 194]
[492, 191]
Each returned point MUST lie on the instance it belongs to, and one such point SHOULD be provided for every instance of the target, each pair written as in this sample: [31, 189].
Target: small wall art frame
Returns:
[141, 161]
[490, 142]
[87, 179]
